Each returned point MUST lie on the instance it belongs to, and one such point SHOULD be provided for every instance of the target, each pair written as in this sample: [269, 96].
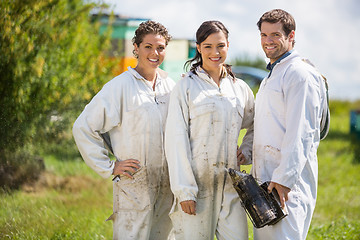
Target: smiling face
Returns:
[274, 41]
[151, 51]
[213, 51]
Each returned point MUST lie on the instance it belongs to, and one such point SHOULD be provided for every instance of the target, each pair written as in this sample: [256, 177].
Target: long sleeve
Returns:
[98, 117]
[177, 146]
[248, 123]
[302, 106]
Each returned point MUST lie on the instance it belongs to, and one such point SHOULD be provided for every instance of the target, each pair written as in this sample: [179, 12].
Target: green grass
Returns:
[68, 202]
[337, 212]
[71, 202]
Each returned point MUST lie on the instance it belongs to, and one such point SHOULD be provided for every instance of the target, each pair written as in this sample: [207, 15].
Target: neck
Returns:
[148, 74]
[215, 74]
[285, 54]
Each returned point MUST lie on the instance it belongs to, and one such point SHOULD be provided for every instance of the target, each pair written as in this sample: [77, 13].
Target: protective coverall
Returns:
[133, 115]
[201, 137]
[288, 111]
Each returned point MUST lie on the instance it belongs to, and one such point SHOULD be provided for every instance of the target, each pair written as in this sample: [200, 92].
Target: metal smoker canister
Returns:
[255, 200]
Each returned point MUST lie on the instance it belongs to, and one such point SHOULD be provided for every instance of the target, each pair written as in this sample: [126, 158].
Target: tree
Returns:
[246, 60]
[50, 66]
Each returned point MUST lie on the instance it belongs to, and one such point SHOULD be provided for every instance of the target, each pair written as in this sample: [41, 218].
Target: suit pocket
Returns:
[132, 194]
[202, 120]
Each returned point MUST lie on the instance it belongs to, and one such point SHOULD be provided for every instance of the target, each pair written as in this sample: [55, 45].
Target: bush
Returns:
[50, 66]
[20, 167]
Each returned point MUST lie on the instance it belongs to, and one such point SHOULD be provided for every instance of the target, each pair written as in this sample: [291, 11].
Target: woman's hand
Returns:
[189, 207]
[240, 157]
[126, 167]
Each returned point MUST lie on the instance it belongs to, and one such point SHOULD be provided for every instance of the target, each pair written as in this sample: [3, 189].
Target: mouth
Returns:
[215, 59]
[270, 48]
[153, 60]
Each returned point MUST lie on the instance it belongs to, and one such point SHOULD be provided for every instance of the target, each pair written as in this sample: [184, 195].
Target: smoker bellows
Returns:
[262, 207]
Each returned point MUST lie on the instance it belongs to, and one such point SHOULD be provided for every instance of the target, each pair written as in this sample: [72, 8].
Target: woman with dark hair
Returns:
[128, 117]
[207, 110]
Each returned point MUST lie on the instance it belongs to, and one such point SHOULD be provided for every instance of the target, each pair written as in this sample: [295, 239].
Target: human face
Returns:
[274, 41]
[151, 51]
[213, 51]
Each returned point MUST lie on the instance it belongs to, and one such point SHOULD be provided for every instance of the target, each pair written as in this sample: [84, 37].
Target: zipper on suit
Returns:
[155, 99]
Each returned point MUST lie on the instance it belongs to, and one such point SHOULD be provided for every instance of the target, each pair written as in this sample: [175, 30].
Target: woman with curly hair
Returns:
[127, 117]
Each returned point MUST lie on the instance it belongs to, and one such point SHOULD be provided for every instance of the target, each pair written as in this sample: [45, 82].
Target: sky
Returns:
[326, 30]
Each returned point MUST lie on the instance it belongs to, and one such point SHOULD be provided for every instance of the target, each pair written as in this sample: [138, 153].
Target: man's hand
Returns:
[282, 191]
[127, 167]
[240, 157]
[189, 207]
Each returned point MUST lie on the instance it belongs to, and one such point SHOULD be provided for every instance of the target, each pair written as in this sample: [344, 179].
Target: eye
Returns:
[147, 46]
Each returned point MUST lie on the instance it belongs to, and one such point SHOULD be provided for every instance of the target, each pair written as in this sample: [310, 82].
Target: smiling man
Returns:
[288, 113]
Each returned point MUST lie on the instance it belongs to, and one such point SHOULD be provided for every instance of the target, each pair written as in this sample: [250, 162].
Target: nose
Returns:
[268, 39]
[216, 51]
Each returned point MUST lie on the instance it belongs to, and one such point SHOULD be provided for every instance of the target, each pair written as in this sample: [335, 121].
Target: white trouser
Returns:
[141, 213]
[229, 224]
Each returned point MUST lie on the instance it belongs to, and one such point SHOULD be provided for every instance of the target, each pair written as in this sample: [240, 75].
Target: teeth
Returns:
[215, 59]
[153, 60]
[270, 48]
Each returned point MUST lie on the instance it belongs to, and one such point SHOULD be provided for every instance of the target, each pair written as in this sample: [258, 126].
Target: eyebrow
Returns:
[209, 44]
[152, 44]
[269, 33]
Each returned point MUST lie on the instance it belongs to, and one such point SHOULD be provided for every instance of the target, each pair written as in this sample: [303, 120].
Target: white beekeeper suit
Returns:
[201, 137]
[288, 111]
[133, 115]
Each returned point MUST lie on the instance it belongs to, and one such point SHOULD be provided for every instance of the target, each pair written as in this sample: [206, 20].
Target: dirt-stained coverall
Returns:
[288, 111]
[133, 115]
[201, 137]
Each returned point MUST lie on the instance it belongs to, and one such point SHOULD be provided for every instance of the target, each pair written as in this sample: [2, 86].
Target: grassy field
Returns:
[71, 202]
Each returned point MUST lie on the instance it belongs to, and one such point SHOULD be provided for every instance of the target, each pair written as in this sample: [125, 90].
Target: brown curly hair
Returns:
[150, 27]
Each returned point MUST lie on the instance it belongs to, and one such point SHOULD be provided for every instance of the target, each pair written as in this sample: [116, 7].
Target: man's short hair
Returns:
[278, 15]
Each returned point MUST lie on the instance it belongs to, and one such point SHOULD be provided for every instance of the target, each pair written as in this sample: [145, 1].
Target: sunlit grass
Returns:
[70, 201]
[337, 212]
[62, 205]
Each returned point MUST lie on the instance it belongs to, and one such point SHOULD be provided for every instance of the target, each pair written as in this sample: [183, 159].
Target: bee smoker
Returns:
[263, 208]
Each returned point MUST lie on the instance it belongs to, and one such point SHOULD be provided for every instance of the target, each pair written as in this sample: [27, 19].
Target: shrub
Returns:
[20, 167]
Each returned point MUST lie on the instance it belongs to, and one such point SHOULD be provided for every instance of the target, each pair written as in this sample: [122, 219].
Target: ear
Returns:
[198, 48]
[292, 36]
[136, 48]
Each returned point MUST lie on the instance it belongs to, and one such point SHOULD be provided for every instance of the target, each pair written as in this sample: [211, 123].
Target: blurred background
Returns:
[57, 54]
[327, 30]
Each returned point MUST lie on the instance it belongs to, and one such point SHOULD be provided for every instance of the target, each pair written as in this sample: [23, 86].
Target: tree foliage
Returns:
[50, 66]
[246, 60]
